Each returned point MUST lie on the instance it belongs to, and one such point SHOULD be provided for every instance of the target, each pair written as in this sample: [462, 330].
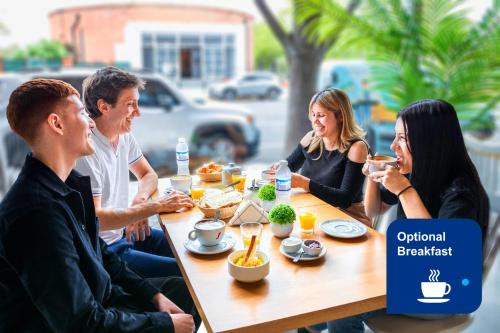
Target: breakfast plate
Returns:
[227, 243]
[305, 256]
[343, 228]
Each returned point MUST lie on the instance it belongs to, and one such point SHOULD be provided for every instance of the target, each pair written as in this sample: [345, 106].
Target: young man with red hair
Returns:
[56, 274]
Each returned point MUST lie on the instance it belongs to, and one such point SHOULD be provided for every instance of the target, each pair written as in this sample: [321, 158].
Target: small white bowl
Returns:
[291, 244]
[312, 251]
[248, 274]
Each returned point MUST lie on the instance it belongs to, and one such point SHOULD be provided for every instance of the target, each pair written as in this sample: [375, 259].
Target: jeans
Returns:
[352, 324]
[150, 258]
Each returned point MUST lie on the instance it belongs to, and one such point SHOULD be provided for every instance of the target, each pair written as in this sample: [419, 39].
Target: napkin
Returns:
[249, 211]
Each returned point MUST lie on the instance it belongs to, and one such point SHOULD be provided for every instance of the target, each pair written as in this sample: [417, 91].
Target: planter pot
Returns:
[281, 230]
[267, 205]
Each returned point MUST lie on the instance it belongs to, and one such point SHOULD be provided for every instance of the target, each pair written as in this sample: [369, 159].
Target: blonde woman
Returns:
[331, 156]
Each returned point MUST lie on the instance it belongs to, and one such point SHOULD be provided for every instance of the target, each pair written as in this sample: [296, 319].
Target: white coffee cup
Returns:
[435, 289]
[181, 183]
[385, 159]
[209, 232]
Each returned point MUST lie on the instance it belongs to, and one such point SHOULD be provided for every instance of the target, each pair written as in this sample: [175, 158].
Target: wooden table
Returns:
[349, 280]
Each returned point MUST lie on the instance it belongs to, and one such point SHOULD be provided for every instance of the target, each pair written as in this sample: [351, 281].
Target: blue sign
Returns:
[434, 266]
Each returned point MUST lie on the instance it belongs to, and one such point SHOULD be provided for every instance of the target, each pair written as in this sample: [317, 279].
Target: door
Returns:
[190, 63]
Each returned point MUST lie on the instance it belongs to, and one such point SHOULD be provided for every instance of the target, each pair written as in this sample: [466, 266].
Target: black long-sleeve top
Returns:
[334, 178]
[56, 274]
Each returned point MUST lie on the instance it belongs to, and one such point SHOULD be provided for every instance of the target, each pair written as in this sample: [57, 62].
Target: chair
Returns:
[486, 157]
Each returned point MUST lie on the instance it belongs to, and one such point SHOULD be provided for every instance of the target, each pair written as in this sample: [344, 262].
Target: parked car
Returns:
[256, 84]
[220, 132]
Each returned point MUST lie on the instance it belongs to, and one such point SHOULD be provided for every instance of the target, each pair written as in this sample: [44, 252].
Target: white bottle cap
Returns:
[283, 162]
[182, 140]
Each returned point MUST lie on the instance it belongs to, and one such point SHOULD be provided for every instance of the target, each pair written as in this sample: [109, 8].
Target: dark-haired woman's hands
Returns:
[366, 166]
[391, 178]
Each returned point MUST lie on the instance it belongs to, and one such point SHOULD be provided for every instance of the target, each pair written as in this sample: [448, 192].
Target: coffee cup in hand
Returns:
[209, 232]
[379, 163]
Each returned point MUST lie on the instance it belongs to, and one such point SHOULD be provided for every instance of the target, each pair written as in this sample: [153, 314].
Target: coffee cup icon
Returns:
[433, 290]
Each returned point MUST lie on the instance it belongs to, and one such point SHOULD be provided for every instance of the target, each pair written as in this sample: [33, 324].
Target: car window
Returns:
[156, 94]
[7, 86]
[264, 77]
[249, 78]
[16, 150]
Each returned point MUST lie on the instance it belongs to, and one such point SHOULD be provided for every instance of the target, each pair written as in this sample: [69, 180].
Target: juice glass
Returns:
[240, 187]
[197, 192]
[248, 230]
[307, 219]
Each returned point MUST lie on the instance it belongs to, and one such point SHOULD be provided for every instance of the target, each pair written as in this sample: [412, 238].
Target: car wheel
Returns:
[273, 94]
[229, 95]
[220, 149]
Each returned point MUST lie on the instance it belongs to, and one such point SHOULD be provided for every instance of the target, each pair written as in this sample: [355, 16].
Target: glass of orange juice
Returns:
[307, 219]
[197, 192]
[248, 230]
[241, 185]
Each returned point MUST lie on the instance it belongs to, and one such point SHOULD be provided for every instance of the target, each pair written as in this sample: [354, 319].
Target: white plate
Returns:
[225, 244]
[305, 256]
[343, 228]
[433, 300]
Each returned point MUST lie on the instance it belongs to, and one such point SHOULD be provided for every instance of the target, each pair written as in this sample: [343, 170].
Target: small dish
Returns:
[305, 256]
[248, 274]
[291, 244]
[227, 243]
[312, 247]
[343, 228]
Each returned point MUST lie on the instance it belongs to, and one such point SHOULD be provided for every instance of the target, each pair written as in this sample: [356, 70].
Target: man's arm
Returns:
[147, 178]
[50, 270]
[110, 219]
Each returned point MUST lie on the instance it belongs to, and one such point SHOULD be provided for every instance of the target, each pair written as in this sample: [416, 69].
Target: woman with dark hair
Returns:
[436, 177]
[331, 156]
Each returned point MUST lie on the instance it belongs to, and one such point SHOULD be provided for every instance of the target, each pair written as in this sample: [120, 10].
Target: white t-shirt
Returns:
[109, 174]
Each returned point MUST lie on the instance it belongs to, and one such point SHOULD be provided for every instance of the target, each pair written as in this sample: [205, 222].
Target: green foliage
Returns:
[267, 192]
[269, 53]
[422, 49]
[44, 50]
[282, 214]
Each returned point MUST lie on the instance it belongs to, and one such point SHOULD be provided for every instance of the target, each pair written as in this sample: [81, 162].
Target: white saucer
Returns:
[433, 300]
[305, 257]
[343, 228]
[227, 243]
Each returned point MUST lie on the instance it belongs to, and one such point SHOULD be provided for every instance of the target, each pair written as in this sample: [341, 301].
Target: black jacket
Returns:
[56, 274]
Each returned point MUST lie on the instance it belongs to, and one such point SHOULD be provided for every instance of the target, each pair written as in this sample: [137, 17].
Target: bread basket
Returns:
[225, 212]
[226, 202]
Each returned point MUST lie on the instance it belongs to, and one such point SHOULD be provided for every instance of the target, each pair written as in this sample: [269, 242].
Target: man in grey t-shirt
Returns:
[111, 98]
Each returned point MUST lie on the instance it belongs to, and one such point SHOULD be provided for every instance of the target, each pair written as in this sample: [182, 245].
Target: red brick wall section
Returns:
[103, 26]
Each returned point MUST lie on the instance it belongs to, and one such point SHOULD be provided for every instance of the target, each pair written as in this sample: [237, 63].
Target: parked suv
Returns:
[257, 84]
[219, 132]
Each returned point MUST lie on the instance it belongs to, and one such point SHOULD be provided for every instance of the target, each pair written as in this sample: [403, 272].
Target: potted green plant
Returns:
[282, 217]
[267, 196]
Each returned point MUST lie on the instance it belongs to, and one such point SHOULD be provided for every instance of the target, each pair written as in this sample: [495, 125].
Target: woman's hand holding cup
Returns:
[366, 166]
[391, 178]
